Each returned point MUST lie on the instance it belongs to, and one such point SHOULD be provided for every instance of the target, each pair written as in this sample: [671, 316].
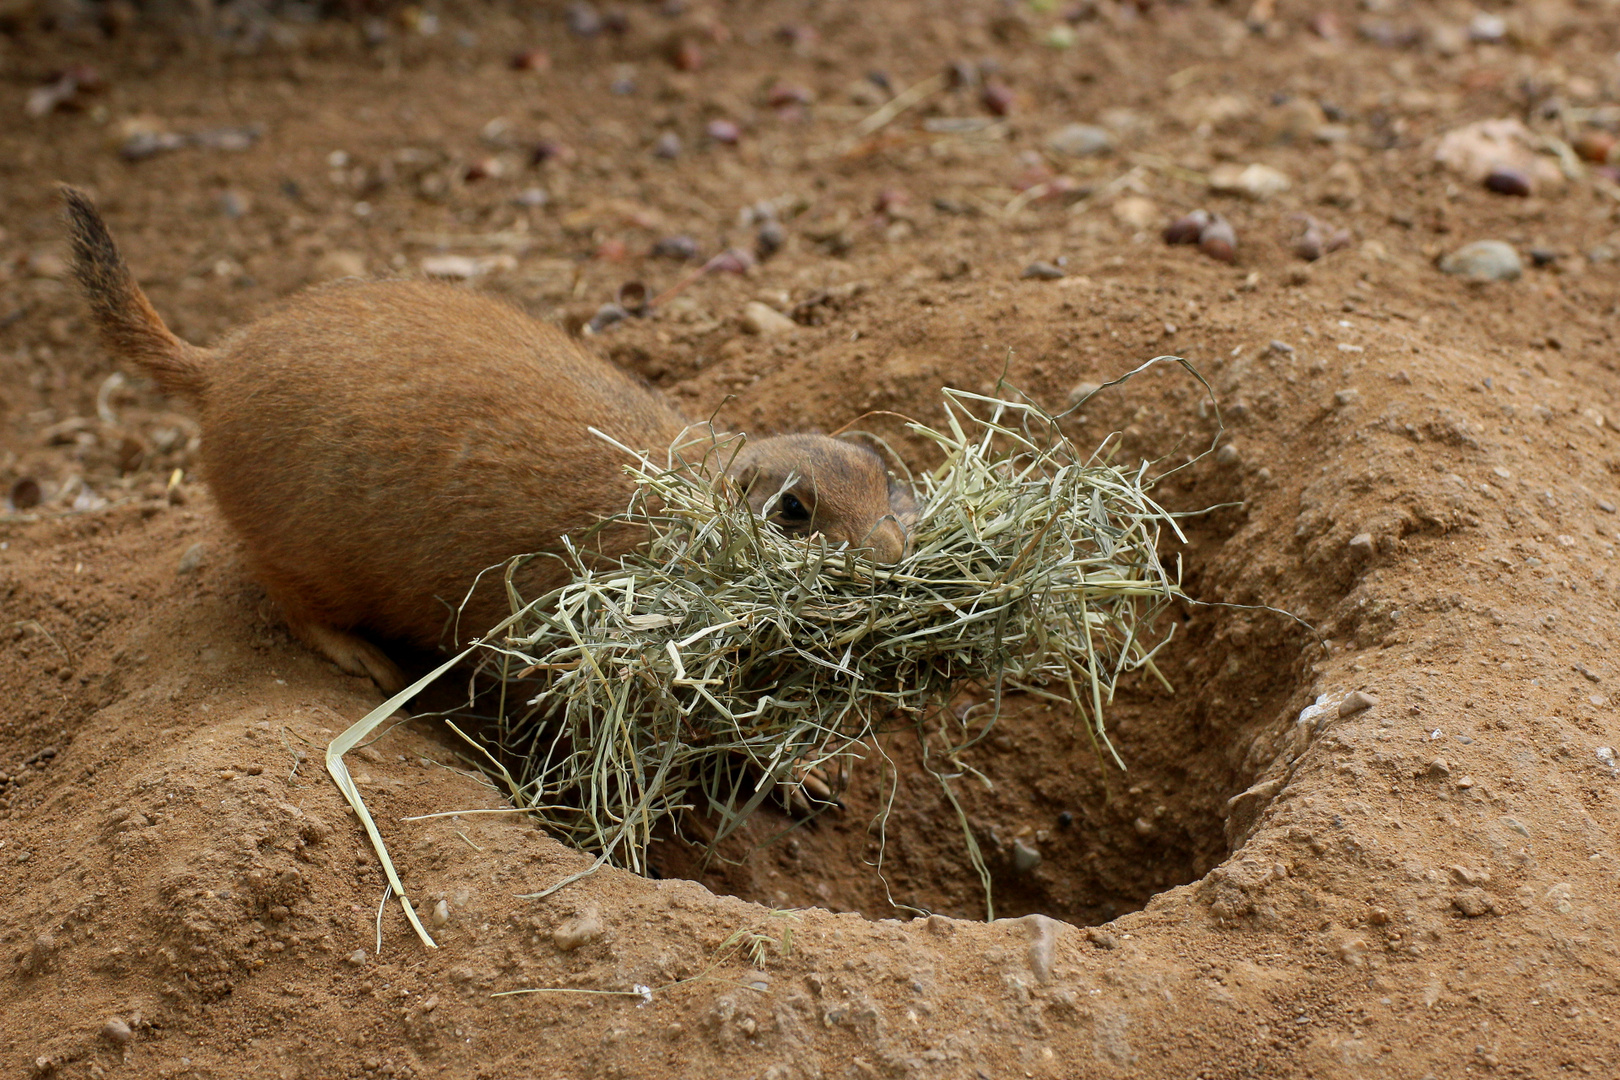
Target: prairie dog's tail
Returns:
[130, 327]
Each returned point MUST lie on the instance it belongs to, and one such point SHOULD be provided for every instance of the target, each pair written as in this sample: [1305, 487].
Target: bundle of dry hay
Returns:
[631, 694]
[721, 640]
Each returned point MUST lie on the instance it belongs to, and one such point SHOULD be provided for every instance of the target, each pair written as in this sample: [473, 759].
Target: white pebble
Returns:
[764, 320]
[1484, 260]
[1250, 181]
[1081, 140]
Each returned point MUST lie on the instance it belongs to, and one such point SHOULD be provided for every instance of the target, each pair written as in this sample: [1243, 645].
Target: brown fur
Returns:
[377, 445]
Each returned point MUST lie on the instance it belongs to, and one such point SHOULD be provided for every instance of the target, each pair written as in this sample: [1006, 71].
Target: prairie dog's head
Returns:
[805, 484]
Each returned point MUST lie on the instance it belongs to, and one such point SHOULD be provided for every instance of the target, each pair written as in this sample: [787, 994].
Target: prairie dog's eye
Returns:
[791, 509]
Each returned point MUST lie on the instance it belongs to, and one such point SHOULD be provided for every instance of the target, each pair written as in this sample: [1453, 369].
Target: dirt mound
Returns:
[1384, 845]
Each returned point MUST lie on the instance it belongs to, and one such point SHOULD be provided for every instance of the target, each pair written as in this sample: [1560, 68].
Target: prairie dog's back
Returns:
[331, 419]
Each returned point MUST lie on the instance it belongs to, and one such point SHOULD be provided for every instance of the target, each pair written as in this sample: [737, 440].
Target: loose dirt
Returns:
[1423, 468]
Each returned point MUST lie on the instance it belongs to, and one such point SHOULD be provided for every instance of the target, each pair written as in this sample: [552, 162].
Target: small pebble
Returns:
[723, 131]
[1357, 700]
[1448, 40]
[684, 54]
[1082, 391]
[48, 263]
[1228, 455]
[1439, 767]
[578, 931]
[1362, 544]
[551, 150]
[356, 958]
[1473, 902]
[460, 267]
[668, 145]
[1187, 228]
[1508, 182]
[732, 261]
[1483, 260]
[1043, 931]
[117, 1032]
[335, 265]
[1065, 819]
[584, 19]
[1136, 211]
[782, 95]
[1281, 348]
[1042, 271]
[25, 494]
[531, 60]
[1218, 240]
[441, 914]
[960, 74]
[1487, 27]
[1080, 140]
[997, 97]
[675, 247]
[1025, 858]
[1595, 146]
[606, 316]
[192, 558]
[1257, 182]
[769, 240]
[233, 204]
[1540, 257]
[889, 200]
[764, 320]
[37, 958]
[1310, 245]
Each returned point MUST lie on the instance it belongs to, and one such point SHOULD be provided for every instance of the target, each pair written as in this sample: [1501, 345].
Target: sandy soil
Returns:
[1422, 467]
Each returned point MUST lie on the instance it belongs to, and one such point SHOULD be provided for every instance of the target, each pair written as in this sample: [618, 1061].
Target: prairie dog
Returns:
[376, 445]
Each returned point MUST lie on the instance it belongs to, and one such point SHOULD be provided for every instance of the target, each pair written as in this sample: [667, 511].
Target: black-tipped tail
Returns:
[130, 327]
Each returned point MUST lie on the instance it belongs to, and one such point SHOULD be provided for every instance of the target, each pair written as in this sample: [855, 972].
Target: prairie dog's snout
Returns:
[805, 484]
